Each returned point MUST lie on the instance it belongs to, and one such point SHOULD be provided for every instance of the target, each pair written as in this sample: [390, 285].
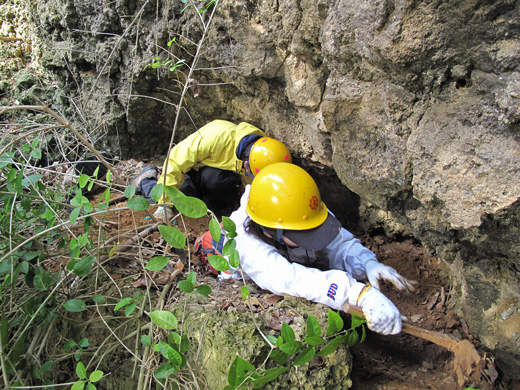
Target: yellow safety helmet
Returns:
[266, 151]
[284, 196]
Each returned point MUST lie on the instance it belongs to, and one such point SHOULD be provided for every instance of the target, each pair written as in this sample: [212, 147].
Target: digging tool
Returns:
[465, 353]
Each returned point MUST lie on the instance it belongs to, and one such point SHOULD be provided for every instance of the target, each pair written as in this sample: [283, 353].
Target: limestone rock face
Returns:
[223, 335]
[414, 105]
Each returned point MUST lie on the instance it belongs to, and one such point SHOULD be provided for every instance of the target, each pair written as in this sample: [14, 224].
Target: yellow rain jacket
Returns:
[213, 145]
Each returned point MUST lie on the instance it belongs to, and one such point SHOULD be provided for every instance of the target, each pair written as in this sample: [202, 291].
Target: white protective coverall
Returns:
[213, 145]
[271, 271]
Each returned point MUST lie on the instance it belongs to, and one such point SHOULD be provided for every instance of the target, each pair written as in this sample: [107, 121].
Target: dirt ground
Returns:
[400, 362]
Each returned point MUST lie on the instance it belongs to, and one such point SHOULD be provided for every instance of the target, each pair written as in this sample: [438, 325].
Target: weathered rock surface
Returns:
[222, 335]
[414, 105]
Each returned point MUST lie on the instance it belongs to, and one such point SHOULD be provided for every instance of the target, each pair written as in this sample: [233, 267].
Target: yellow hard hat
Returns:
[284, 196]
[266, 151]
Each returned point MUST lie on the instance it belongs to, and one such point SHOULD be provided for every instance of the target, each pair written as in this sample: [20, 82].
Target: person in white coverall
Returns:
[289, 243]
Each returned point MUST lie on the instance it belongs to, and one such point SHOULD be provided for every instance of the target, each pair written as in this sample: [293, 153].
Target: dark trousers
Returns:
[219, 189]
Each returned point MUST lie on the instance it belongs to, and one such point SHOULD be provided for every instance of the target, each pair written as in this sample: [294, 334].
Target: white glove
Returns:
[376, 271]
[163, 213]
[381, 314]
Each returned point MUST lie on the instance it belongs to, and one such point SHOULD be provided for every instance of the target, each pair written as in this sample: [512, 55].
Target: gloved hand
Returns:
[376, 271]
[381, 314]
[163, 213]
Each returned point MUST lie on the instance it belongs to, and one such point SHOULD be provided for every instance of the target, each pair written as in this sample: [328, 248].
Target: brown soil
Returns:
[401, 362]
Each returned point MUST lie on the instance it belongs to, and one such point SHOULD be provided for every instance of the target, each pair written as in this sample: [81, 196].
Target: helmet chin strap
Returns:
[247, 165]
[279, 234]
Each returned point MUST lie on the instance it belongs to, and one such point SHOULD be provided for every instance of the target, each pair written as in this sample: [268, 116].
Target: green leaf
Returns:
[218, 262]
[99, 298]
[75, 305]
[78, 354]
[279, 357]
[5, 267]
[169, 353]
[81, 371]
[314, 340]
[84, 266]
[70, 265]
[5, 160]
[357, 321]
[157, 263]
[130, 309]
[190, 206]
[287, 333]
[31, 255]
[79, 385]
[23, 267]
[363, 334]
[229, 246]
[69, 345]
[228, 224]
[234, 258]
[83, 343]
[26, 203]
[74, 214]
[46, 367]
[164, 319]
[42, 281]
[29, 180]
[174, 340]
[313, 326]
[83, 180]
[164, 371]
[332, 345]
[105, 197]
[245, 292]
[173, 236]
[90, 386]
[95, 376]
[236, 373]
[172, 192]
[184, 345]
[36, 154]
[269, 375]
[335, 323]
[3, 328]
[96, 172]
[186, 286]
[138, 203]
[123, 302]
[146, 340]
[192, 277]
[352, 338]
[157, 192]
[214, 229]
[305, 356]
[291, 347]
[204, 289]
[130, 191]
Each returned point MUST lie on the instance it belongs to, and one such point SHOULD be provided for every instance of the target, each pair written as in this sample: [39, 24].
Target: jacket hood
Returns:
[243, 129]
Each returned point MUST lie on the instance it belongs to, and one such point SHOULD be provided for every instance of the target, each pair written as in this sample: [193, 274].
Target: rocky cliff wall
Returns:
[414, 105]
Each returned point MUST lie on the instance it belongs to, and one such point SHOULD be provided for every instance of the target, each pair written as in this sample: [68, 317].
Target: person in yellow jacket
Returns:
[214, 164]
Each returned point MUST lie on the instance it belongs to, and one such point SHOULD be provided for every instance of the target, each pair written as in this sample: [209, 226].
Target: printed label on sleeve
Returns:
[333, 289]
